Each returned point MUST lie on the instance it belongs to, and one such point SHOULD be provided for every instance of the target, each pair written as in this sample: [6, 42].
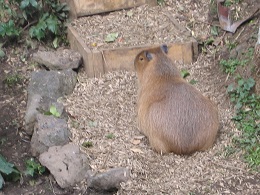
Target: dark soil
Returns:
[15, 70]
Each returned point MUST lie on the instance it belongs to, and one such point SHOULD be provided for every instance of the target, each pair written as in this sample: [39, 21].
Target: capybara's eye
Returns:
[141, 58]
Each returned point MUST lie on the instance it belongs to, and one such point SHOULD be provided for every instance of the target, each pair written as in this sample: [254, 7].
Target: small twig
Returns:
[28, 25]
[239, 34]
[209, 50]
[198, 21]
[227, 77]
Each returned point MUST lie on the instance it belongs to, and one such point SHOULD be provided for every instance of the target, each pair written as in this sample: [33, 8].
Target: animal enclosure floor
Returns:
[103, 112]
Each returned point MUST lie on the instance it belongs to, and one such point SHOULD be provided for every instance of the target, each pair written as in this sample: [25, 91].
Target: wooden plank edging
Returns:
[80, 8]
[98, 62]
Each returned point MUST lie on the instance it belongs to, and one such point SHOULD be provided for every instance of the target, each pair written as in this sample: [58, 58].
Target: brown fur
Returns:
[174, 115]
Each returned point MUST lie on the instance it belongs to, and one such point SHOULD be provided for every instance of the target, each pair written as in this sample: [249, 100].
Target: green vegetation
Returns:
[43, 20]
[247, 105]
[228, 3]
[184, 73]
[87, 144]
[12, 79]
[8, 172]
[111, 37]
[229, 66]
[53, 111]
[160, 2]
[33, 168]
[110, 136]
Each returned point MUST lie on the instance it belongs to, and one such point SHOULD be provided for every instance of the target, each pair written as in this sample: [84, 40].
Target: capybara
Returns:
[172, 113]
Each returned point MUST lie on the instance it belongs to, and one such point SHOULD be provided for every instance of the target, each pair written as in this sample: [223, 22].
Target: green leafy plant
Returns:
[2, 53]
[110, 136]
[8, 29]
[12, 79]
[240, 94]
[8, 171]
[111, 37]
[193, 81]
[160, 2]
[93, 123]
[231, 45]
[33, 168]
[87, 144]
[53, 111]
[230, 66]
[247, 117]
[214, 30]
[45, 20]
[184, 73]
[228, 3]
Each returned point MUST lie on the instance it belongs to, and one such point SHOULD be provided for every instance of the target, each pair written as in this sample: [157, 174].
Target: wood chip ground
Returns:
[102, 111]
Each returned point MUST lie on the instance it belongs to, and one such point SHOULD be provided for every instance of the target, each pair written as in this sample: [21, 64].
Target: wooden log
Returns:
[80, 8]
[98, 62]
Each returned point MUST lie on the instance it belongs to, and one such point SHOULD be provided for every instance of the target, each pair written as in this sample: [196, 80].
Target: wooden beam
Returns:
[80, 8]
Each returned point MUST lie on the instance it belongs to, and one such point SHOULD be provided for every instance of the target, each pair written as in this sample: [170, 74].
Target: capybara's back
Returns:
[173, 114]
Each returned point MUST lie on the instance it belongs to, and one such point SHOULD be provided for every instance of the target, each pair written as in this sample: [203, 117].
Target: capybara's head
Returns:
[154, 62]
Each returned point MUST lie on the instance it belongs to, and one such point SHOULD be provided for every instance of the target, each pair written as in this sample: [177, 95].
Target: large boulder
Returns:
[44, 89]
[52, 84]
[59, 60]
[66, 163]
[108, 181]
[49, 131]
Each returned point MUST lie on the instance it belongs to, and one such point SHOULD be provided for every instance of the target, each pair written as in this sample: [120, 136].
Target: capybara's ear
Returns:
[164, 48]
[148, 55]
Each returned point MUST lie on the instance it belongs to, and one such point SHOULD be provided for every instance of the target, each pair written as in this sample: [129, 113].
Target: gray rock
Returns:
[108, 181]
[52, 84]
[49, 131]
[66, 163]
[44, 89]
[33, 104]
[59, 60]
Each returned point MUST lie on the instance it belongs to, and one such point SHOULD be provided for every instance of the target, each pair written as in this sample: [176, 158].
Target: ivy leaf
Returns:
[111, 37]
[33, 168]
[250, 82]
[54, 112]
[230, 88]
[2, 53]
[1, 181]
[33, 3]
[52, 24]
[184, 73]
[24, 4]
[24, 15]
[36, 32]
[8, 170]
[2, 29]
